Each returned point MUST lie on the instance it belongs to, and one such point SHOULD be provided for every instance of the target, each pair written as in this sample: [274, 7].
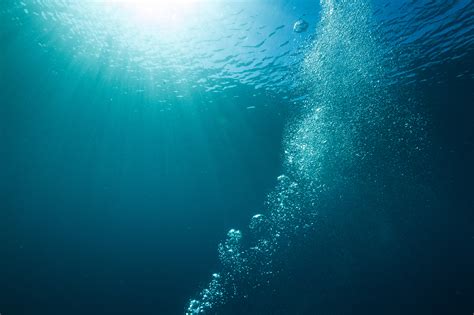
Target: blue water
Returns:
[214, 157]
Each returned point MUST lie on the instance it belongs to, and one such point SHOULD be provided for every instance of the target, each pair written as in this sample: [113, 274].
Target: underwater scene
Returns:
[260, 157]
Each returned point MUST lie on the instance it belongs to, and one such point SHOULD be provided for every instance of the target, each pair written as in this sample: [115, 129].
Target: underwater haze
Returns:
[227, 157]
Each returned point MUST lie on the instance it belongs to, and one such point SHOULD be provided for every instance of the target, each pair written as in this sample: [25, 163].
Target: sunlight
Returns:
[155, 13]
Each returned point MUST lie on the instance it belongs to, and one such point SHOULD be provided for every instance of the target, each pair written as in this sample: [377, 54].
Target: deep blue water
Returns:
[136, 135]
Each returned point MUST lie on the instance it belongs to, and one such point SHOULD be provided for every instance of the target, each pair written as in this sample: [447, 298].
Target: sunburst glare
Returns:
[165, 14]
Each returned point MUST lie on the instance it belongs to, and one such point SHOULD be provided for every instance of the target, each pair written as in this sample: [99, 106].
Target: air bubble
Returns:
[257, 223]
[300, 26]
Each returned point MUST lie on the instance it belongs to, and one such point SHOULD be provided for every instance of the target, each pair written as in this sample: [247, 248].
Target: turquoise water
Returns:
[250, 157]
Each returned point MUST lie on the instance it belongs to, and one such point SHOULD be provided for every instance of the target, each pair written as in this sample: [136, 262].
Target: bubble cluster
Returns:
[249, 267]
[335, 142]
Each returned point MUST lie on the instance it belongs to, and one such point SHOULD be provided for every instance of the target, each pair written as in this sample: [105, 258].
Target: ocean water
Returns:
[236, 157]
